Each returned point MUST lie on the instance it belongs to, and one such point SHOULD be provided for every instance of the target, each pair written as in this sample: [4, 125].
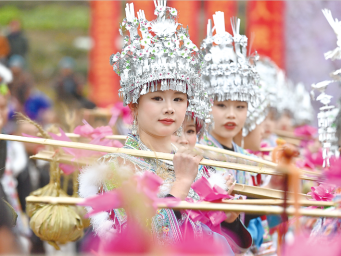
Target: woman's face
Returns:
[229, 117]
[269, 124]
[189, 134]
[285, 122]
[161, 113]
[253, 140]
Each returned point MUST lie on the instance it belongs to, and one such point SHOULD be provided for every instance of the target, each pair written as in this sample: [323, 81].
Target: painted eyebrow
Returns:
[191, 125]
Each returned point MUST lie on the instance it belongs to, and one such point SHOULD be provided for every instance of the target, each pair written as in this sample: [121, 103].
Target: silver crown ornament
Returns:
[228, 73]
[165, 54]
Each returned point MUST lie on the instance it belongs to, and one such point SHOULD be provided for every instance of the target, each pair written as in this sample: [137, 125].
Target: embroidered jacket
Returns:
[166, 225]
[241, 177]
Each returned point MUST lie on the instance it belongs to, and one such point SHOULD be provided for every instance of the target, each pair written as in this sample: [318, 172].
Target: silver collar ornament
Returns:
[165, 54]
[228, 73]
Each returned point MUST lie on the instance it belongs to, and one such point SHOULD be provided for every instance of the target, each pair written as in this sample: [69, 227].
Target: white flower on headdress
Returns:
[208, 57]
[171, 54]
[182, 36]
[115, 57]
[160, 10]
[145, 42]
[173, 11]
[164, 27]
[183, 53]
[177, 43]
[169, 44]
[139, 54]
[188, 43]
[218, 40]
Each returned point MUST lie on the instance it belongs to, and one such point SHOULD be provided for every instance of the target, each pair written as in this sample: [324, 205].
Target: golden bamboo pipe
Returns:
[204, 206]
[143, 153]
[214, 149]
[255, 192]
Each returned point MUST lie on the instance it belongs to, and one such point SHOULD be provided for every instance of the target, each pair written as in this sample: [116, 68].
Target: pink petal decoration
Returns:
[120, 110]
[323, 192]
[104, 202]
[67, 169]
[306, 246]
[207, 193]
[333, 174]
[305, 130]
[88, 131]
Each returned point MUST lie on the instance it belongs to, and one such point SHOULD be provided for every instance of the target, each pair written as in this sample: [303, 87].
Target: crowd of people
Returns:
[20, 175]
[176, 96]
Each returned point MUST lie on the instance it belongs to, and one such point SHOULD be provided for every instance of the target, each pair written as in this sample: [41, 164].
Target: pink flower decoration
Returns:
[81, 153]
[314, 158]
[324, 192]
[208, 193]
[147, 183]
[104, 202]
[88, 131]
[306, 246]
[120, 110]
[306, 131]
[67, 169]
[333, 174]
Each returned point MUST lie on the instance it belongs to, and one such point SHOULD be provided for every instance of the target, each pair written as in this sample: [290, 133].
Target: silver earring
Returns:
[242, 143]
[179, 131]
[134, 127]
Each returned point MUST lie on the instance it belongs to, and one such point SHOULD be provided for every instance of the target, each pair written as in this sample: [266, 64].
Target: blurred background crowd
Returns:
[58, 54]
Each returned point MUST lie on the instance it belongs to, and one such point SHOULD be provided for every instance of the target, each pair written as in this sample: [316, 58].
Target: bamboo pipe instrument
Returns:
[291, 135]
[280, 202]
[255, 192]
[204, 206]
[214, 149]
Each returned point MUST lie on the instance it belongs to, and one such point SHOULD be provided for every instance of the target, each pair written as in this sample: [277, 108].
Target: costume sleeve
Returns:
[165, 225]
[237, 235]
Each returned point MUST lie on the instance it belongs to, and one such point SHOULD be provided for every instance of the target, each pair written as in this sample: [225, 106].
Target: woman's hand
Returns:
[186, 162]
[230, 182]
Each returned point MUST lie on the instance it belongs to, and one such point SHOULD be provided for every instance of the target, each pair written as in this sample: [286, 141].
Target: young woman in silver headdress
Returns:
[159, 74]
[230, 78]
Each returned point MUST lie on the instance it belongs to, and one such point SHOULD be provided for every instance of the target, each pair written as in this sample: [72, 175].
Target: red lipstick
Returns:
[167, 121]
[230, 125]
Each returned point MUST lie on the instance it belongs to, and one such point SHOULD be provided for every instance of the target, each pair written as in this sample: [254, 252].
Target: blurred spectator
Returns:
[7, 239]
[4, 48]
[22, 83]
[69, 86]
[17, 39]
[15, 173]
[36, 104]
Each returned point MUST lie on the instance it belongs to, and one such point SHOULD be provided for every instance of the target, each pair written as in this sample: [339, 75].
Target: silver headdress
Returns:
[199, 109]
[269, 79]
[268, 84]
[164, 54]
[228, 73]
[326, 116]
[304, 114]
[285, 94]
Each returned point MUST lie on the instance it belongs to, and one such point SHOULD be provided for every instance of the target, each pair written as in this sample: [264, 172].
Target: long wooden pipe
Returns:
[143, 153]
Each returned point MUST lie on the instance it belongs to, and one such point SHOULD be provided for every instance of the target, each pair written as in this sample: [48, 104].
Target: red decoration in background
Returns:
[266, 19]
[188, 15]
[230, 9]
[105, 19]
